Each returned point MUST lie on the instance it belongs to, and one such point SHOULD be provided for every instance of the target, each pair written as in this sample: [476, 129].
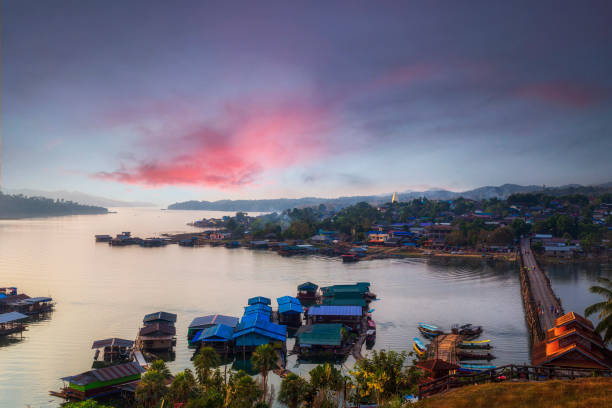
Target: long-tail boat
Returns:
[475, 368]
[467, 330]
[429, 330]
[476, 344]
[465, 354]
[419, 347]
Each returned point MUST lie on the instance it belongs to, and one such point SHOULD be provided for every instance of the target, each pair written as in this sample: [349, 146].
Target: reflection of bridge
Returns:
[547, 305]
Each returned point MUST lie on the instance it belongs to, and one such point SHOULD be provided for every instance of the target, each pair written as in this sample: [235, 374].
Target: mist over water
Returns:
[104, 291]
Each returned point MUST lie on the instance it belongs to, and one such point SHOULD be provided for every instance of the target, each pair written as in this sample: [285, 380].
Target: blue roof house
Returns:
[256, 329]
[290, 311]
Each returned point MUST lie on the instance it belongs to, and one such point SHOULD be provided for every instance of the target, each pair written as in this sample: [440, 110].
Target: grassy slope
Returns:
[590, 392]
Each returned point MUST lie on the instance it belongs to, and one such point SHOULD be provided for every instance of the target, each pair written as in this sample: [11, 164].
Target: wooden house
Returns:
[289, 311]
[573, 342]
[156, 337]
[350, 316]
[204, 322]
[322, 340]
[307, 291]
[218, 336]
[12, 322]
[159, 317]
[436, 368]
[103, 381]
[113, 349]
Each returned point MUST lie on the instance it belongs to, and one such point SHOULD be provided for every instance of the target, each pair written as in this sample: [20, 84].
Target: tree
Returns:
[323, 379]
[183, 387]
[293, 391]
[604, 308]
[151, 389]
[264, 359]
[86, 404]
[241, 391]
[160, 366]
[204, 362]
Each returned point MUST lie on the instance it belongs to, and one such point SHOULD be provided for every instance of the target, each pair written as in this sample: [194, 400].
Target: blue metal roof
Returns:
[289, 304]
[214, 319]
[218, 332]
[168, 317]
[260, 324]
[12, 317]
[335, 311]
[258, 308]
[260, 299]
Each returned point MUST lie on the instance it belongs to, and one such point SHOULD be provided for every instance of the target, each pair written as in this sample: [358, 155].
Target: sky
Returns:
[171, 101]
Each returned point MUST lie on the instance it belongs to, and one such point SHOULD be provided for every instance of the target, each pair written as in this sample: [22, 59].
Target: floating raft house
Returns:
[290, 311]
[11, 323]
[100, 382]
[204, 322]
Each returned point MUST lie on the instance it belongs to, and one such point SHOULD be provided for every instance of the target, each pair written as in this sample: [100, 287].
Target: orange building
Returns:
[573, 342]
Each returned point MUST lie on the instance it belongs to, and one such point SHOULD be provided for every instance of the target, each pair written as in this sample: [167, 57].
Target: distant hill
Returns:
[78, 197]
[20, 206]
[487, 192]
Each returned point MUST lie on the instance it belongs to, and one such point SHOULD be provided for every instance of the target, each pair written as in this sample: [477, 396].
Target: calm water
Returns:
[103, 291]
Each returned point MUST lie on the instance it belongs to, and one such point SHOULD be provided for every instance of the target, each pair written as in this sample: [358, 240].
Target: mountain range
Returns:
[77, 197]
[487, 192]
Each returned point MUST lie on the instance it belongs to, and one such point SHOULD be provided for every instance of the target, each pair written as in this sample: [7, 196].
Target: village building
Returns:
[307, 291]
[572, 342]
[350, 316]
[319, 340]
[113, 349]
[12, 322]
[218, 336]
[204, 322]
[289, 311]
[103, 381]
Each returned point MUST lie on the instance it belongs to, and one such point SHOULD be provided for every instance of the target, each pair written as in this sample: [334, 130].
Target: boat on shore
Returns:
[419, 347]
[429, 330]
[475, 344]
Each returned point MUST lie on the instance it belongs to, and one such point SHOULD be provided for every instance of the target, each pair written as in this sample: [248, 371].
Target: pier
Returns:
[444, 347]
[542, 307]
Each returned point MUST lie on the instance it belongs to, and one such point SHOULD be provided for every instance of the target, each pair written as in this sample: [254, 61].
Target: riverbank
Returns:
[551, 260]
[370, 252]
[588, 392]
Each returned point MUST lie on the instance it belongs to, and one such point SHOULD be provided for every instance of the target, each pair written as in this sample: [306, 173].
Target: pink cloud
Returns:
[564, 93]
[245, 142]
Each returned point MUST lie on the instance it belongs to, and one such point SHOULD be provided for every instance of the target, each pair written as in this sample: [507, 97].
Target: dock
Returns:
[140, 358]
[444, 347]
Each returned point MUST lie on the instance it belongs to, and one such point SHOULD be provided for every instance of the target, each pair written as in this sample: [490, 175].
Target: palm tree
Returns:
[160, 366]
[293, 391]
[183, 387]
[264, 359]
[204, 362]
[325, 378]
[241, 391]
[151, 389]
[603, 308]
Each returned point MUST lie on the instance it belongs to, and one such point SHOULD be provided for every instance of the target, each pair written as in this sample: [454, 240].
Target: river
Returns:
[104, 291]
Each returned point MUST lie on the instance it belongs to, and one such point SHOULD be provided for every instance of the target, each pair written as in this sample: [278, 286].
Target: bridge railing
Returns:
[505, 373]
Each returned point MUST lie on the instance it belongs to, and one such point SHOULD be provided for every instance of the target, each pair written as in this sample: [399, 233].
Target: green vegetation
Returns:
[604, 308]
[86, 404]
[588, 392]
[264, 359]
[20, 206]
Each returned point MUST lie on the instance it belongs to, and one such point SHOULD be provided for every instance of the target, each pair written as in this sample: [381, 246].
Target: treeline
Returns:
[20, 206]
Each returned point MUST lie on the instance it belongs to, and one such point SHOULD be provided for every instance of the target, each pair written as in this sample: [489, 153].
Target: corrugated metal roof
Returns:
[335, 311]
[114, 341]
[260, 299]
[12, 317]
[163, 328]
[106, 374]
[345, 301]
[219, 332]
[259, 323]
[169, 317]
[258, 308]
[287, 299]
[214, 319]
[289, 308]
[321, 334]
[359, 287]
[308, 286]
[38, 299]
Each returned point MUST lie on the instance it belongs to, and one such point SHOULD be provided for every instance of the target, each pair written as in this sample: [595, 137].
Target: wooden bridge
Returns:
[542, 307]
[444, 347]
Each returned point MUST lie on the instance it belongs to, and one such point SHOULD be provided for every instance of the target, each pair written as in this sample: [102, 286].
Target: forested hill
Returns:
[19, 206]
[488, 192]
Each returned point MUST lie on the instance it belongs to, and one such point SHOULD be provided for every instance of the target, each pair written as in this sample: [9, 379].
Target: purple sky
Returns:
[168, 101]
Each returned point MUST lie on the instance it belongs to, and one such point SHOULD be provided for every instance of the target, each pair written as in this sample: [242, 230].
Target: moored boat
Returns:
[476, 344]
[429, 330]
[475, 368]
[419, 347]
[349, 258]
[465, 354]
[467, 330]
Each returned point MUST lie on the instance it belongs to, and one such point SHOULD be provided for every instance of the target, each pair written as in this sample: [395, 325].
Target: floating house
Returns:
[256, 329]
[11, 301]
[100, 382]
[113, 349]
[258, 308]
[153, 242]
[103, 238]
[289, 311]
[204, 322]
[12, 322]
[350, 316]
[258, 245]
[260, 299]
[322, 340]
[307, 291]
[218, 336]
[158, 333]
[573, 342]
